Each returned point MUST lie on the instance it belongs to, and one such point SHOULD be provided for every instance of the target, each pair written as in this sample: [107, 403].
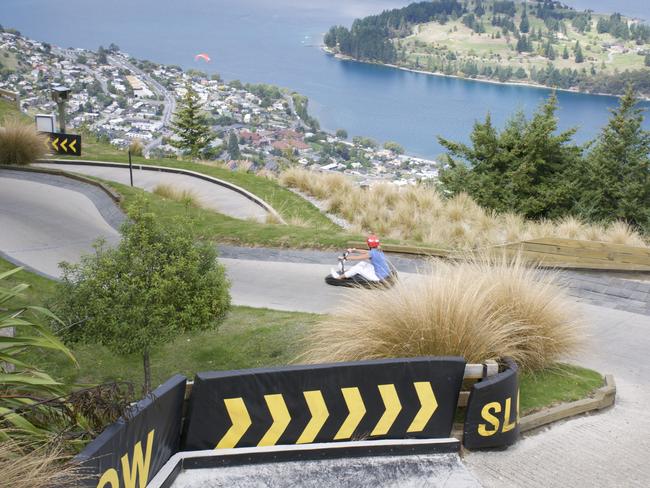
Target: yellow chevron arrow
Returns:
[281, 419]
[356, 410]
[319, 415]
[240, 419]
[72, 146]
[429, 405]
[54, 143]
[393, 408]
[63, 145]
[48, 144]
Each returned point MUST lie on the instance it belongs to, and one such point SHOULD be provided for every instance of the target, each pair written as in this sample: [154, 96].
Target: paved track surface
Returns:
[42, 225]
[212, 196]
[608, 449]
[422, 471]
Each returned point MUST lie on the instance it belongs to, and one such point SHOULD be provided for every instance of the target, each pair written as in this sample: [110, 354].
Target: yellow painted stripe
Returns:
[281, 419]
[240, 419]
[319, 415]
[356, 410]
[392, 409]
[429, 405]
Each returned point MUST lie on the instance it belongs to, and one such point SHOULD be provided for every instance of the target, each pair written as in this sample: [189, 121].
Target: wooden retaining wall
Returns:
[551, 251]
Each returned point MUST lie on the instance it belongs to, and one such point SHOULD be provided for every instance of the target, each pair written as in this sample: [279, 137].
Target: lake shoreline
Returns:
[526, 84]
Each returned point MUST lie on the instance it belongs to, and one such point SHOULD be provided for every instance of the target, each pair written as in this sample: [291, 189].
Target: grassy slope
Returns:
[287, 203]
[221, 228]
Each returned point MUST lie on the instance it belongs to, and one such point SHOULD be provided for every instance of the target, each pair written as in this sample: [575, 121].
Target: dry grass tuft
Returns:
[482, 308]
[20, 144]
[421, 214]
[27, 466]
[136, 147]
[185, 196]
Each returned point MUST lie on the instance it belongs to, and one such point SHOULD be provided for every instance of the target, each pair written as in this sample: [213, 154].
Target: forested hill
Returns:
[541, 41]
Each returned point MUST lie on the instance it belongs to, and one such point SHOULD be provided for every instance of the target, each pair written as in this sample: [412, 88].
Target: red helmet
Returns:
[372, 241]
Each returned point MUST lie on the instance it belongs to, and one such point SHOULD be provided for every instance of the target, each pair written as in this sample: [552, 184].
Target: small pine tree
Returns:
[578, 52]
[191, 126]
[617, 179]
[524, 25]
[647, 60]
[565, 53]
[233, 147]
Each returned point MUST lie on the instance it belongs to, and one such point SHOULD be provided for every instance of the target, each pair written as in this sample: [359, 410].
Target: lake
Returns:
[277, 42]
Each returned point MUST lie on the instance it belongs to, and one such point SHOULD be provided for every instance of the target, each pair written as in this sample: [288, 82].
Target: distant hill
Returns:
[538, 42]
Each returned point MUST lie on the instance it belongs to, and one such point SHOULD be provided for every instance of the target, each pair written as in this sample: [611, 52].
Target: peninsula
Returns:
[539, 42]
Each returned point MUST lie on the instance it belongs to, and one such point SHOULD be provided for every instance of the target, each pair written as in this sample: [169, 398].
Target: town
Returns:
[126, 101]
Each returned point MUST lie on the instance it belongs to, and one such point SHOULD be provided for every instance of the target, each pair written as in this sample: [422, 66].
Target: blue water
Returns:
[275, 42]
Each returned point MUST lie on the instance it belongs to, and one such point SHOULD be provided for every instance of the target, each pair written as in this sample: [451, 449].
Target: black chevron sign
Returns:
[66, 144]
[386, 399]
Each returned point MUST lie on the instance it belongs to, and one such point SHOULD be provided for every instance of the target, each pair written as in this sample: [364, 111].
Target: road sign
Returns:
[66, 144]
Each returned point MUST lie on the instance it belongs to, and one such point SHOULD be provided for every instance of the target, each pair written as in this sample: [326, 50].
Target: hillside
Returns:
[538, 42]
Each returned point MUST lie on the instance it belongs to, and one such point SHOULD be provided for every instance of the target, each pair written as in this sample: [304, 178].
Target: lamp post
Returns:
[60, 95]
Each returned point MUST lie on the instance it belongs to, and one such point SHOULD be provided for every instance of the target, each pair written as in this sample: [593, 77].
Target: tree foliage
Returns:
[525, 168]
[617, 178]
[233, 147]
[156, 284]
[191, 125]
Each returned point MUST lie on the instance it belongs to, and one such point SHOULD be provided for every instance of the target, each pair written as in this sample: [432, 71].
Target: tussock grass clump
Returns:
[136, 147]
[482, 308]
[20, 144]
[28, 464]
[421, 214]
[182, 195]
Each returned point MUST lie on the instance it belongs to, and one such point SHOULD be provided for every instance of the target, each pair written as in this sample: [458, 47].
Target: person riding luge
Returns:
[373, 265]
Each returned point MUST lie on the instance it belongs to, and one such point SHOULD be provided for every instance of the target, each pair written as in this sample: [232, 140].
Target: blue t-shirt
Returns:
[378, 261]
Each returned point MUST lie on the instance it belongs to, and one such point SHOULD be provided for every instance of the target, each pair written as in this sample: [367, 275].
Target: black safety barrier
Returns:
[384, 399]
[132, 450]
[492, 418]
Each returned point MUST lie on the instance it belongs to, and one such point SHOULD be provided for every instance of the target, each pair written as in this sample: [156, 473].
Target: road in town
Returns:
[42, 224]
[168, 97]
[210, 195]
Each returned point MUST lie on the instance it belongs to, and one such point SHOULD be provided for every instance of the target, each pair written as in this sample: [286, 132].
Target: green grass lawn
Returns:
[285, 202]
[207, 224]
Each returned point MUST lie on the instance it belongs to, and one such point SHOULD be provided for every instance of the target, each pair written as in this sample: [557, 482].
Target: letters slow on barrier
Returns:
[492, 417]
[130, 451]
[385, 399]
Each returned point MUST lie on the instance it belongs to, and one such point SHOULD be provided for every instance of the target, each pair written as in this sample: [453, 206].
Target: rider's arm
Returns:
[359, 255]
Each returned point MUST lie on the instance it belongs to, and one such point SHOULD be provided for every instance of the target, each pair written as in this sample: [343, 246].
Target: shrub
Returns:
[482, 308]
[20, 143]
[136, 147]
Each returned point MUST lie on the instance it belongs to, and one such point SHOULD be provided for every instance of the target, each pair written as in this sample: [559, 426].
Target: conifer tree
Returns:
[191, 125]
[578, 51]
[617, 180]
[527, 167]
[524, 25]
[565, 53]
[233, 147]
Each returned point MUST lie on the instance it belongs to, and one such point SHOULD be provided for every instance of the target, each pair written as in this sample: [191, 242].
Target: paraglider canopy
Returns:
[202, 56]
